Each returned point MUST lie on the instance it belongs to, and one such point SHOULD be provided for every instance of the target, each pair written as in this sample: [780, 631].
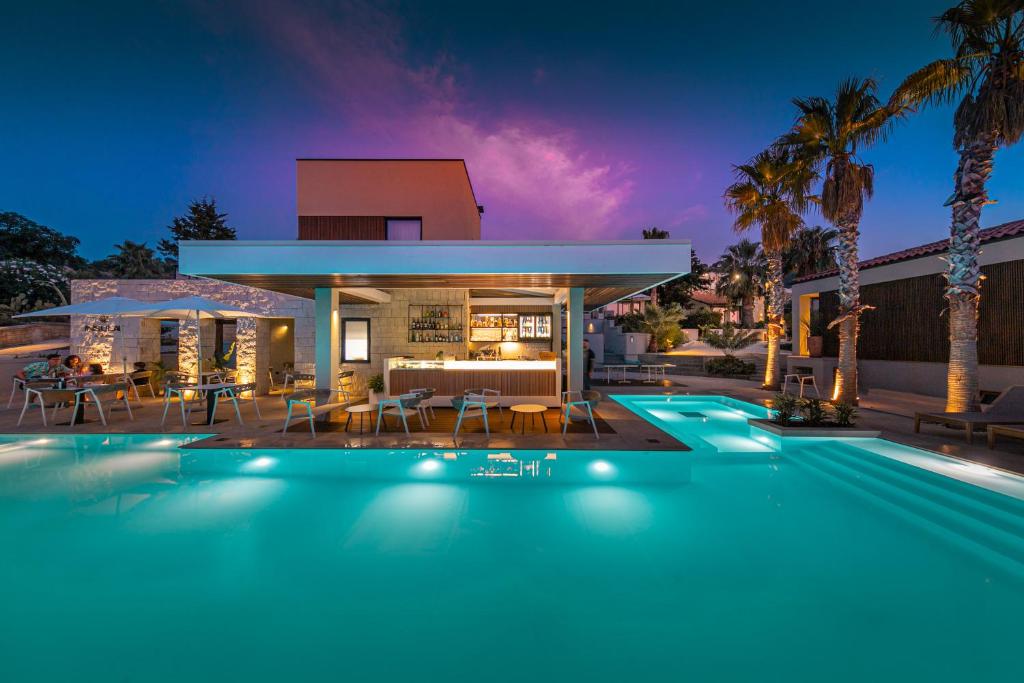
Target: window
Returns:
[355, 340]
[407, 229]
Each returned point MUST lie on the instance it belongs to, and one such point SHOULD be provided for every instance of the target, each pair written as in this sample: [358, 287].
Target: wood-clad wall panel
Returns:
[342, 228]
[454, 382]
[910, 322]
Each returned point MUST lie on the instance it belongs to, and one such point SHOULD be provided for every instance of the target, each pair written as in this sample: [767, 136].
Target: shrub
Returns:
[785, 407]
[729, 366]
[702, 318]
[814, 411]
[846, 414]
[672, 337]
[730, 339]
[630, 322]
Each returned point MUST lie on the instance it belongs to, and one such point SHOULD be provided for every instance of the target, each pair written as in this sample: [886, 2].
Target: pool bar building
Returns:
[394, 279]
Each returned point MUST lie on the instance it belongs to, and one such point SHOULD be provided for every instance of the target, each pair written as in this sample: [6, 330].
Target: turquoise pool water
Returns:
[128, 559]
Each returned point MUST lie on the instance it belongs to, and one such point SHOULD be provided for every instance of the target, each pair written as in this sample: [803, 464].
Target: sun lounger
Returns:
[1008, 409]
[1003, 430]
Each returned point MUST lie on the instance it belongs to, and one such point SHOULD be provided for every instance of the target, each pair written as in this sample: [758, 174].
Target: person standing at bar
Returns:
[588, 363]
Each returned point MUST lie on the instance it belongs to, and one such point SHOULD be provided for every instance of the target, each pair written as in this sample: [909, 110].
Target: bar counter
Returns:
[519, 381]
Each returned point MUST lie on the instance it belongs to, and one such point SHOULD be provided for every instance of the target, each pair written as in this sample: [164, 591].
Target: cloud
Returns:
[535, 177]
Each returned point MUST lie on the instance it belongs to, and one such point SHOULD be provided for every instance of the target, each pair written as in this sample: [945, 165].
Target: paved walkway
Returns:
[890, 412]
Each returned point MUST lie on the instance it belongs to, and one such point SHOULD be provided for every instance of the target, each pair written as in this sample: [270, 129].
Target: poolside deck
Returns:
[887, 411]
[619, 429]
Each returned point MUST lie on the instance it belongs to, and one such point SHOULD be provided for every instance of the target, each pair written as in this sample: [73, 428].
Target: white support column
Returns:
[574, 339]
[328, 331]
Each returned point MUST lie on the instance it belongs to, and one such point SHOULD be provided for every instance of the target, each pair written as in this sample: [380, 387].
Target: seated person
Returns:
[95, 369]
[72, 366]
[41, 369]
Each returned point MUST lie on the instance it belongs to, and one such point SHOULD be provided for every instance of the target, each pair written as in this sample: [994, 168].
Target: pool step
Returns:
[988, 526]
[987, 506]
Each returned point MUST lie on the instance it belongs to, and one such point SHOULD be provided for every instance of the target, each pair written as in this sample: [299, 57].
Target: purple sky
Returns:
[577, 122]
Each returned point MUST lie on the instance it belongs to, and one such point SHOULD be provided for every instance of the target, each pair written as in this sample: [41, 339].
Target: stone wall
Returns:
[389, 328]
[96, 339]
[32, 333]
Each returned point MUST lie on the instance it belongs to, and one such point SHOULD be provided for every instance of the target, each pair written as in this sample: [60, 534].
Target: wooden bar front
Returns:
[455, 382]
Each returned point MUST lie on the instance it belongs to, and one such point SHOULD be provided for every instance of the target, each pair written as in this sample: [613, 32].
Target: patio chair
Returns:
[142, 379]
[583, 401]
[427, 394]
[178, 390]
[57, 399]
[470, 406]
[234, 394]
[346, 381]
[312, 403]
[294, 378]
[1008, 409]
[112, 390]
[19, 383]
[490, 396]
[403, 407]
[801, 378]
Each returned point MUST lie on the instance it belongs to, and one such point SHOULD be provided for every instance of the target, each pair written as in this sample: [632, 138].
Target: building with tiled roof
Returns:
[904, 341]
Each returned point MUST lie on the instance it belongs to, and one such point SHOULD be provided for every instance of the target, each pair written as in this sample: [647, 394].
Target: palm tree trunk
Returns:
[845, 390]
[747, 312]
[963, 276]
[773, 312]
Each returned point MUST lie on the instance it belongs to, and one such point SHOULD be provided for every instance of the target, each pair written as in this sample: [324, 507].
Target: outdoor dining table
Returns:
[205, 390]
[624, 367]
[655, 371]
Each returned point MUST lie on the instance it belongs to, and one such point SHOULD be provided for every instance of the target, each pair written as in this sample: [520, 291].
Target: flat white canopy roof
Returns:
[607, 270]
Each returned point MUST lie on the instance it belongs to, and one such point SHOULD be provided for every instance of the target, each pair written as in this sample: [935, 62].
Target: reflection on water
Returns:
[146, 562]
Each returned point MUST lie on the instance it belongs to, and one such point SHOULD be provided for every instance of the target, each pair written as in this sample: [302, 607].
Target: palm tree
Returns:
[655, 233]
[741, 272]
[829, 135]
[659, 321]
[771, 192]
[813, 251]
[134, 261]
[986, 74]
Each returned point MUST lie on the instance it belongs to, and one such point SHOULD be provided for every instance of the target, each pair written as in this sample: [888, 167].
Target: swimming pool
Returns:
[125, 558]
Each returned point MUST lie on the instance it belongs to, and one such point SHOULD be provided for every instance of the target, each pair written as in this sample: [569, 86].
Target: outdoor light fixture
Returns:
[601, 469]
[260, 464]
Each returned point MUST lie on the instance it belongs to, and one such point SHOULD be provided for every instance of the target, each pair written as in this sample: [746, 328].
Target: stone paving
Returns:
[889, 412]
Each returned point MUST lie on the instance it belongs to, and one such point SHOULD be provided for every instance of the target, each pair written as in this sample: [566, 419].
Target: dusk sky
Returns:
[576, 121]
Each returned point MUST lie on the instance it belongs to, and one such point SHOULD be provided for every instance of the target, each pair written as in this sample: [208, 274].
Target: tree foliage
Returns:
[812, 250]
[202, 222]
[21, 238]
[659, 322]
[134, 261]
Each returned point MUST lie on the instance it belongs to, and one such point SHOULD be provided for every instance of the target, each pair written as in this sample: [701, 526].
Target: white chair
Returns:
[19, 383]
[234, 394]
[172, 390]
[56, 399]
[312, 402]
[471, 406]
[403, 407]
[423, 406]
[104, 389]
[802, 379]
[492, 397]
[583, 401]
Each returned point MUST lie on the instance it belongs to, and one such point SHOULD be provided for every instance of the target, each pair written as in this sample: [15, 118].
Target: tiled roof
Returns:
[999, 232]
[709, 298]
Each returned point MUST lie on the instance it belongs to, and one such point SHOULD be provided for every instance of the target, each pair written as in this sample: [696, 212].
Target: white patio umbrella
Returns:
[202, 309]
[114, 306]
